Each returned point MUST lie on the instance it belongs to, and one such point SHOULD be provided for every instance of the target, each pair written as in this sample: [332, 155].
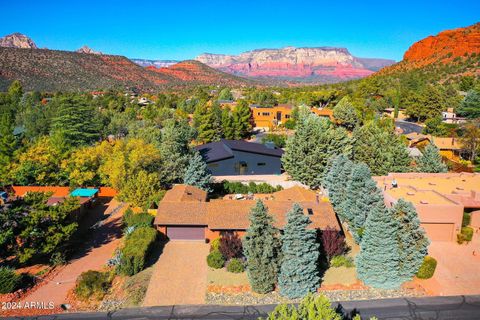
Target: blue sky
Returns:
[183, 29]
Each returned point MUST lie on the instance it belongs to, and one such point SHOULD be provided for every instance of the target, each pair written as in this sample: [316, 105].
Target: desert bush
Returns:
[465, 235]
[427, 269]
[215, 260]
[58, 259]
[131, 219]
[231, 246]
[333, 243]
[9, 280]
[341, 261]
[466, 219]
[135, 251]
[215, 245]
[235, 265]
[94, 284]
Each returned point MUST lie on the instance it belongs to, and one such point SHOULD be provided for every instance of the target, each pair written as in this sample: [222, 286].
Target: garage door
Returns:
[186, 233]
[439, 231]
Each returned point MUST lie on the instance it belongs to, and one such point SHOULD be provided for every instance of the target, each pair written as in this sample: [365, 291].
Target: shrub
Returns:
[131, 219]
[252, 187]
[215, 260]
[333, 243]
[9, 280]
[58, 259]
[136, 249]
[465, 235]
[215, 245]
[427, 269]
[466, 219]
[231, 246]
[93, 284]
[341, 261]
[235, 265]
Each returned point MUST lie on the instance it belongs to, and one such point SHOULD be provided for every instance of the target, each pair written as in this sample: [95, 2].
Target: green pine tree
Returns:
[8, 144]
[380, 148]
[336, 181]
[225, 94]
[378, 260]
[431, 160]
[197, 173]
[76, 120]
[242, 120]
[362, 194]
[261, 246]
[207, 121]
[470, 106]
[300, 252]
[345, 113]
[412, 241]
[227, 124]
[309, 150]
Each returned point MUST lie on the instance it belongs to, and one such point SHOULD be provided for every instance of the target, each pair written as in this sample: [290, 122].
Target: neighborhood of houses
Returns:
[190, 220]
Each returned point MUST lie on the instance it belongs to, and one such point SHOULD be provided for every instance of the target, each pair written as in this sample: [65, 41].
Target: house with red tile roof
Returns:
[185, 213]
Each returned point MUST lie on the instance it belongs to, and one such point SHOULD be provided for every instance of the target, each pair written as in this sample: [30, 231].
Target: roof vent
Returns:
[310, 212]
[459, 188]
[423, 201]
[432, 183]
[411, 193]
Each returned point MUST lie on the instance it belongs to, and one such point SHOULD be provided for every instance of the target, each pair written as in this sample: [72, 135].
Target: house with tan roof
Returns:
[440, 198]
[185, 213]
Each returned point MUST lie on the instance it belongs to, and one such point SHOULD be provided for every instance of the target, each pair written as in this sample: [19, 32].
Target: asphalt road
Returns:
[408, 127]
[431, 308]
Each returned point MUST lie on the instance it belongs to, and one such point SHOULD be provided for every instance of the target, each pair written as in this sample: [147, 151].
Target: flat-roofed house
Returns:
[238, 157]
[440, 198]
[186, 214]
[270, 117]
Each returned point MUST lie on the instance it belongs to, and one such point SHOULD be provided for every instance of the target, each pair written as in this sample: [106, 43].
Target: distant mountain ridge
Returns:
[88, 50]
[315, 64]
[155, 63]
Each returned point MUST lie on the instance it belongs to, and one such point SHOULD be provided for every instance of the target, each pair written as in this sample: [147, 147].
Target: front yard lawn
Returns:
[341, 275]
[222, 277]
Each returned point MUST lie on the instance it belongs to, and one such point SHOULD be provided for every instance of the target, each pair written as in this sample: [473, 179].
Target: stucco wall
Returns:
[227, 166]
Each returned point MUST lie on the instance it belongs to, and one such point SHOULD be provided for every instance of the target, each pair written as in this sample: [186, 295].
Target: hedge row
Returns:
[131, 219]
[136, 249]
[238, 187]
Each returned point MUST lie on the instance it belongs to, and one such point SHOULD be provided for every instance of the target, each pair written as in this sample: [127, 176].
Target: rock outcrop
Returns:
[295, 63]
[445, 46]
[155, 63]
[17, 40]
[88, 50]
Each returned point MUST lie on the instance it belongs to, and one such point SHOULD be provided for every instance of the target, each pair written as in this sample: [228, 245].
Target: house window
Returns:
[310, 212]
[287, 116]
[265, 113]
[261, 164]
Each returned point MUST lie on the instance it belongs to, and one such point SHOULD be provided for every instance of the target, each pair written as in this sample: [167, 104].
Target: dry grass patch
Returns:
[221, 277]
[341, 275]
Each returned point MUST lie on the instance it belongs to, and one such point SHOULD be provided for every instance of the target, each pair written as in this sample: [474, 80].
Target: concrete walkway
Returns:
[97, 250]
[180, 275]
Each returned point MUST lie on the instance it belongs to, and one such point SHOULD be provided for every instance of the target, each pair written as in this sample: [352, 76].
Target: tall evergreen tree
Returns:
[362, 194]
[378, 260]
[336, 181]
[76, 121]
[261, 246]
[412, 241]
[308, 151]
[242, 120]
[470, 107]
[225, 94]
[431, 160]
[300, 252]
[227, 124]
[7, 145]
[380, 149]
[207, 121]
[345, 113]
[197, 173]
[175, 150]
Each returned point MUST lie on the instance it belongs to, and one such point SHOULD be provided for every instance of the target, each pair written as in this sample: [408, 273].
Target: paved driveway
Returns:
[408, 127]
[92, 255]
[180, 275]
[458, 270]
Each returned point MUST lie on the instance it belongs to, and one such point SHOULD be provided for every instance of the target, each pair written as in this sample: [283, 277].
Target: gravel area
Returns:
[274, 298]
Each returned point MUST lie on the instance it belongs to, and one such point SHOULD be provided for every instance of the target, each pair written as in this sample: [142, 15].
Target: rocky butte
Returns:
[321, 64]
[17, 40]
